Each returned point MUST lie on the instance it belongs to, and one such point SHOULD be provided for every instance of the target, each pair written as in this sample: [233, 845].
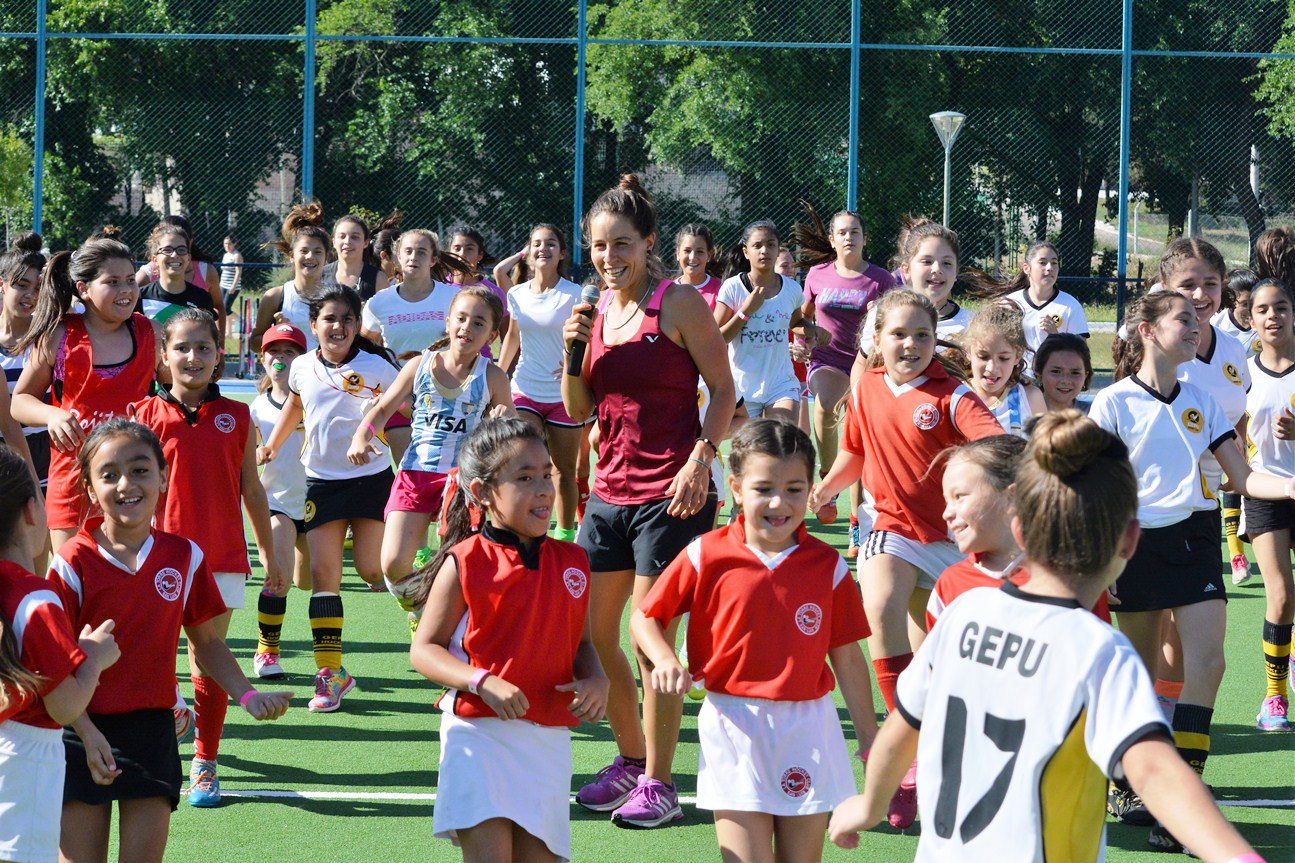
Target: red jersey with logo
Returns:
[761, 626]
[43, 634]
[92, 394]
[969, 574]
[646, 392]
[204, 449]
[526, 615]
[899, 429]
[170, 587]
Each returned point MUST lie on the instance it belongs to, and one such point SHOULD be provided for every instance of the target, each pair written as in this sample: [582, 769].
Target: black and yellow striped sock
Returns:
[270, 611]
[1231, 524]
[326, 629]
[1277, 656]
[1192, 733]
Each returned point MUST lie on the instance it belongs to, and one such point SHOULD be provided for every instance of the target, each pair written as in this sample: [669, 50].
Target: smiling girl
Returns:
[356, 266]
[1063, 368]
[20, 269]
[305, 244]
[995, 348]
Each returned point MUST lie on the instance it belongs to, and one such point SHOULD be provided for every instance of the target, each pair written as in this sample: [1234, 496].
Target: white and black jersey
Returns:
[1271, 395]
[1224, 374]
[336, 397]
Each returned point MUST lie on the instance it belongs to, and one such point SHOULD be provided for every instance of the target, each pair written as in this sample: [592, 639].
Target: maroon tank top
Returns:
[646, 392]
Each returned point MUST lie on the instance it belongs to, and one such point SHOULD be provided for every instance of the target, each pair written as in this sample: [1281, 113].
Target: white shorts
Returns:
[231, 586]
[491, 768]
[777, 757]
[787, 392]
[930, 558]
[32, 769]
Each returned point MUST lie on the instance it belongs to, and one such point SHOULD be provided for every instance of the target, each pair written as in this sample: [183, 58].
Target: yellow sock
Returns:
[326, 630]
[1277, 656]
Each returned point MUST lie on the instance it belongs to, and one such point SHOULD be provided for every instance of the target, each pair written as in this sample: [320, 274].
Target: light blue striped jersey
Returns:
[444, 417]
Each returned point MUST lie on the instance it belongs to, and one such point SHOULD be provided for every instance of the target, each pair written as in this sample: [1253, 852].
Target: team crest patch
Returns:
[225, 423]
[796, 781]
[1056, 320]
[575, 581]
[310, 510]
[1193, 421]
[926, 417]
[1232, 373]
[809, 618]
[353, 382]
[168, 581]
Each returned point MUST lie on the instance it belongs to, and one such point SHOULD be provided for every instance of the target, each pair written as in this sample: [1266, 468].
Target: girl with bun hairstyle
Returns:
[1029, 671]
[305, 244]
[652, 491]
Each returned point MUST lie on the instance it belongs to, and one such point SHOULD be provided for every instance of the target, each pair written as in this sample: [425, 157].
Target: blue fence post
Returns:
[38, 138]
[308, 108]
[578, 173]
[852, 175]
[1126, 108]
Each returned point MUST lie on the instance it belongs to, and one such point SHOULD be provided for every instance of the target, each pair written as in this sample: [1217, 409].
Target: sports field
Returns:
[359, 784]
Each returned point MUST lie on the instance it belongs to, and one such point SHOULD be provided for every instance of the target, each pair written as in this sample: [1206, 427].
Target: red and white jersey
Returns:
[760, 626]
[47, 647]
[526, 615]
[169, 587]
[970, 574]
[899, 429]
[204, 450]
[1026, 705]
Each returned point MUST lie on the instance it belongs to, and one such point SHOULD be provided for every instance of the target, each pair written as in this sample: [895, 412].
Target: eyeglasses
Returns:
[173, 251]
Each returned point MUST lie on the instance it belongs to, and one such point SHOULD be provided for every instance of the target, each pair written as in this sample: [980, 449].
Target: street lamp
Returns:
[947, 125]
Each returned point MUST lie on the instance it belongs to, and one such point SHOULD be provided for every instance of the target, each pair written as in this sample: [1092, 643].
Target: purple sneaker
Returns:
[611, 787]
[651, 804]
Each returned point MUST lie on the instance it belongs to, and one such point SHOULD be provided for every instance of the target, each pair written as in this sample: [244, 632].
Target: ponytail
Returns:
[814, 241]
[58, 286]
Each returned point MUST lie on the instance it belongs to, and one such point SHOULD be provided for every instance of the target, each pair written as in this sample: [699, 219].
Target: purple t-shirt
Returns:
[840, 306]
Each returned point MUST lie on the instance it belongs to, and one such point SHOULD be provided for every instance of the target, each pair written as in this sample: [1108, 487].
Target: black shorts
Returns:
[1268, 516]
[298, 523]
[39, 445]
[147, 754]
[231, 297]
[1176, 565]
[347, 499]
[641, 536]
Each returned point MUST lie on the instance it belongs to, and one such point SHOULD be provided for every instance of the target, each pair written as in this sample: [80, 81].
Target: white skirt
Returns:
[31, 791]
[514, 769]
[778, 757]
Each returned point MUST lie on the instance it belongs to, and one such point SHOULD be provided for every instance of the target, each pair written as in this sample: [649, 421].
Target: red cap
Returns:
[283, 333]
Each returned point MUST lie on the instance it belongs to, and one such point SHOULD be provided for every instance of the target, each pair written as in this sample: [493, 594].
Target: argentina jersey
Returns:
[443, 417]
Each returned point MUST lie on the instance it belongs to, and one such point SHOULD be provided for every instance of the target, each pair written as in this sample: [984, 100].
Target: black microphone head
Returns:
[590, 292]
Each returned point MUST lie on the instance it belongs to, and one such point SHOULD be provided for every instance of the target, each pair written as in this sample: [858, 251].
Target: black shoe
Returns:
[1161, 839]
[1127, 807]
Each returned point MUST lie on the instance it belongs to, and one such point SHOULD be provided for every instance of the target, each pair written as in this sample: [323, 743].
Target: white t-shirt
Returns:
[947, 328]
[1249, 339]
[295, 310]
[1065, 311]
[284, 479]
[409, 326]
[1225, 375]
[1013, 410]
[1270, 396]
[1166, 439]
[1025, 704]
[540, 317]
[761, 361]
[335, 398]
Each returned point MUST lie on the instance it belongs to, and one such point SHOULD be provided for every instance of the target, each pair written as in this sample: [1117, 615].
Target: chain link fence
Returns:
[466, 111]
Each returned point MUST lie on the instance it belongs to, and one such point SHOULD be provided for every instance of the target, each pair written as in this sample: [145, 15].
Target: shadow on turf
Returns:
[1237, 739]
[290, 776]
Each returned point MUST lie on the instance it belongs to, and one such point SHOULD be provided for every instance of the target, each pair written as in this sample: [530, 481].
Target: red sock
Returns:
[887, 670]
[210, 703]
[1171, 689]
[854, 520]
[582, 495]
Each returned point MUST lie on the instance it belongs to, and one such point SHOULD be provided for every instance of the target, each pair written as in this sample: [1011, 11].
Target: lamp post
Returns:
[947, 125]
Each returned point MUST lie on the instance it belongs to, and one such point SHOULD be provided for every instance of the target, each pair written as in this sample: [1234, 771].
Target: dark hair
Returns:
[735, 261]
[302, 221]
[58, 285]
[1268, 283]
[776, 438]
[22, 256]
[814, 241]
[107, 232]
[1274, 254]
[16, 488]
[1077, 485]
[485, 452]
[385, 235]
[191, 316]
[1058, 343]
[230, 238]
[998, 456]
[478, 292]
[1184, 249]
[335, 293]
[475, 236]
[715, 265]
[914, 231]
[1126, 350]
[111, 428]
[367, 255]
[523, 271]
[981, 284]
[166, 229]
[628, 198]
[181, 222]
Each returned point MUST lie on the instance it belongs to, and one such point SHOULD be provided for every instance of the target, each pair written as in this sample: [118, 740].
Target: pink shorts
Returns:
[551, 412]
[416, 491]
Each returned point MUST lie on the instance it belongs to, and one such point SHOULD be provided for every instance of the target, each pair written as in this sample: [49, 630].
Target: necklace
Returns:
[638, 306]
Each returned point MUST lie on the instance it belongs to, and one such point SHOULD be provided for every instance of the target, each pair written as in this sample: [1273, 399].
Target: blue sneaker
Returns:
[204, 787]
[1272, 715]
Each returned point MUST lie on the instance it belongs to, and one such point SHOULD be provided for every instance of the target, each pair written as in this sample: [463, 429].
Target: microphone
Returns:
[589, 294]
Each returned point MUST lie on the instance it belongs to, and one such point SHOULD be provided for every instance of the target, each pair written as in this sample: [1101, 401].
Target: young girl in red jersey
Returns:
[902, 413]
[151, 583]
[46, 676]
[210, 448]
[995, 347]
[94, 363]
[769, 607]
[505, 629]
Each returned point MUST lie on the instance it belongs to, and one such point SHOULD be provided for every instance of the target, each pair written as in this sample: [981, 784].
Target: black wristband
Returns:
[714, 449]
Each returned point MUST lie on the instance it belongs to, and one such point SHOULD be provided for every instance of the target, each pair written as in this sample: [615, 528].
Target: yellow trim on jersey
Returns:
[1205, 486]
[1072, 801]
[1192, 740]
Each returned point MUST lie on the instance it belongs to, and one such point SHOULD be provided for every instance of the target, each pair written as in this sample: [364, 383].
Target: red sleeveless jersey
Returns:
[523, 625]
[646, 392]
[92, 397]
